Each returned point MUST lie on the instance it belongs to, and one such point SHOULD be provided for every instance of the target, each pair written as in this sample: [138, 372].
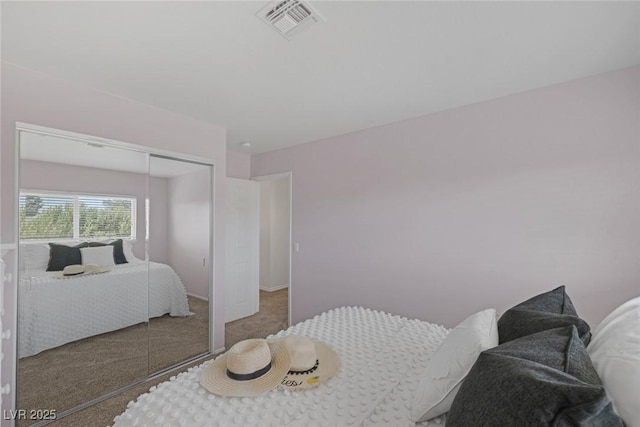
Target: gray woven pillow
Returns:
[549, 310]
[543, 379]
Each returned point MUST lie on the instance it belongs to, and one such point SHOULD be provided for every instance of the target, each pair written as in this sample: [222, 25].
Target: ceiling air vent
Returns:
[289, 17]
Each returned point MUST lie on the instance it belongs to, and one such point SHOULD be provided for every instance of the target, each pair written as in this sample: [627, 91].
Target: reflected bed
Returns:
[55, 311]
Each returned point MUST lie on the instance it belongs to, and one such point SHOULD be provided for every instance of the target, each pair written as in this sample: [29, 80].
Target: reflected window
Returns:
[60, 216]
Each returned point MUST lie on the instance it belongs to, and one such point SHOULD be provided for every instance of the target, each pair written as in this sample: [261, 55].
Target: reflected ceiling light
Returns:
[94, 145]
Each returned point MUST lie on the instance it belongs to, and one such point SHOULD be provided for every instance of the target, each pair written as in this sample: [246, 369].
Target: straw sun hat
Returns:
[255, 366]
[312, 362]
[249, 368]
[77, 270]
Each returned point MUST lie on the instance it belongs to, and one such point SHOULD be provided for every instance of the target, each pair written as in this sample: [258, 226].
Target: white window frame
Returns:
[76, 213]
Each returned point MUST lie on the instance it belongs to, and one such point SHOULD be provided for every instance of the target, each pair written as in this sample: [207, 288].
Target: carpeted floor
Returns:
[66, 376]
[272, 317]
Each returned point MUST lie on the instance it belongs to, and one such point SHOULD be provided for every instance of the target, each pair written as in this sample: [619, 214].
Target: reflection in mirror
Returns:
[114, 268]
[83, 298]
[179, 240]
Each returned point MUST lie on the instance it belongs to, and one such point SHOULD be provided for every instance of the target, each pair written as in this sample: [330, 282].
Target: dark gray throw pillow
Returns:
[118, 251]
[62, 255]
[549, 310]
[543, 379]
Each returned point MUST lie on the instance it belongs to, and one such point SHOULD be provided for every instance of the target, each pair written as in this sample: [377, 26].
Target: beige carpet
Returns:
[66, 376]
[272, 317]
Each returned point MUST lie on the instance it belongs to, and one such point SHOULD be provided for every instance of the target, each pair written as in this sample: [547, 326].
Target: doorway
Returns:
[272, 284]
[275, 245]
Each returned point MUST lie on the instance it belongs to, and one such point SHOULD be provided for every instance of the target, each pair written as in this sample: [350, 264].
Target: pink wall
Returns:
[238, 165]
[36, 98]
[36, 175]
[158, 220]
[188, 234]
[481, 206]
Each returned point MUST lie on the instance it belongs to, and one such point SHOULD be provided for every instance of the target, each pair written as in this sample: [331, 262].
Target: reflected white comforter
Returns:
[55, 311]
[381, 359]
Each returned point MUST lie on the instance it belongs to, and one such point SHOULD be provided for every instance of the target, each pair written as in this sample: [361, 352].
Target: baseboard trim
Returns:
[274, 288]
[197, 296]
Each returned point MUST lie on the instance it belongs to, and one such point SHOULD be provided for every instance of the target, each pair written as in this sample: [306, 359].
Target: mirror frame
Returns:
[42, 130]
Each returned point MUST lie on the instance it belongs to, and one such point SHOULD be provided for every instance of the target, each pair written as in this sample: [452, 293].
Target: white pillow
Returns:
[99, 255]
[127, 249]
[34, 256]
[615, 352]
[451, 363]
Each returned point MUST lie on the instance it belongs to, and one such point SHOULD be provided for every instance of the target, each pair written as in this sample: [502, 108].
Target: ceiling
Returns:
[370, 63]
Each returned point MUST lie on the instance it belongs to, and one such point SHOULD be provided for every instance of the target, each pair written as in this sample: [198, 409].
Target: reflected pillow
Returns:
[542, 379]
[62, 255]
[127, 249]
[34, 256]
[98, 255]
[549, 310]
[615, 352]
[118, 251]
[451, 362]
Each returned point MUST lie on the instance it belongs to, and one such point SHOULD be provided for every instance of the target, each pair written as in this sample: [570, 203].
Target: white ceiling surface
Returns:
[371, 63]
[34, 146]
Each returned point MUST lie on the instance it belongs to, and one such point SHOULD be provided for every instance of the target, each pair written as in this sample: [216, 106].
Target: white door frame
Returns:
[277, 177]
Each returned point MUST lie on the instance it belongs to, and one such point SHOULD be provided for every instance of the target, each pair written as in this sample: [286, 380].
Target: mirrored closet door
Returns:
[179, 249]
[114, 268]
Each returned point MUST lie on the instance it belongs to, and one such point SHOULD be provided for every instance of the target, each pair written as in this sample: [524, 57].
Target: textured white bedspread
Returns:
[55, 311]
[381, 357]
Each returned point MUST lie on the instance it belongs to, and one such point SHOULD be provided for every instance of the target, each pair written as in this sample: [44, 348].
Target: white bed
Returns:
[395, 370]
[55, 311]
[381, 358]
